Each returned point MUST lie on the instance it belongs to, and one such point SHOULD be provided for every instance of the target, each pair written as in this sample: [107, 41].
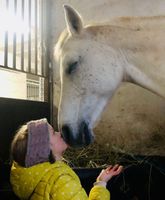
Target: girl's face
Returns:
[57, 144]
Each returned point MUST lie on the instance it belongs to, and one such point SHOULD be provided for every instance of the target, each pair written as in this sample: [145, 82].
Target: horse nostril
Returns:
[85, 133]
[83, 128]
[82, 137]
[66, 133]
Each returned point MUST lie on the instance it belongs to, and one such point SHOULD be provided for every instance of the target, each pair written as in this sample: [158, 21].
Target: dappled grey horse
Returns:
[95, 59]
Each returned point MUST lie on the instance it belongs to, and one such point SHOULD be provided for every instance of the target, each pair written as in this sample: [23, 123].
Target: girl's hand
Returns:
[109, 172]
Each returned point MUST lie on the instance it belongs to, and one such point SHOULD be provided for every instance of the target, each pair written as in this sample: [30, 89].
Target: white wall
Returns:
[134, 121]
[12, 84]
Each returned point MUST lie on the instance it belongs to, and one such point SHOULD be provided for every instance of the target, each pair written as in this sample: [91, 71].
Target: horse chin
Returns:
[82, 138]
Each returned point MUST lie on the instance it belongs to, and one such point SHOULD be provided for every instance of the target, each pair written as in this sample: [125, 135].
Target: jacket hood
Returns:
[21, 178]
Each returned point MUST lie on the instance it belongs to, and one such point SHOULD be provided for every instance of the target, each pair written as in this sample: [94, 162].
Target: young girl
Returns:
[38, 171]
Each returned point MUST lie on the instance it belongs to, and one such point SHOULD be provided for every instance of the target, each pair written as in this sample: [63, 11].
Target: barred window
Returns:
[22, 45]
[35, 88]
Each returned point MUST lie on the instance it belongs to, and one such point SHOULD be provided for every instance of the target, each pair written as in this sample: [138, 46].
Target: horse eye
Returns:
[72, 67]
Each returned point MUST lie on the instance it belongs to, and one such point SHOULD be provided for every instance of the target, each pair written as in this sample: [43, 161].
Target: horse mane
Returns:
[133, 22]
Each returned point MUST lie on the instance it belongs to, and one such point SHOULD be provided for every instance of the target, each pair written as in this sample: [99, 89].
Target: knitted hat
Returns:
[38, 147]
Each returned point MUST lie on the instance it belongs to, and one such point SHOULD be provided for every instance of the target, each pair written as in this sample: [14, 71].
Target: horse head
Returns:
[90, 72]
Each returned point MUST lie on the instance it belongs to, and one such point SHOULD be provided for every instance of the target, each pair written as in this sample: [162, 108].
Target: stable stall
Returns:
[133, 123]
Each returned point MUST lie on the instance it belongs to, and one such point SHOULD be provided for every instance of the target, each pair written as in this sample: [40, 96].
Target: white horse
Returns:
[95, 59]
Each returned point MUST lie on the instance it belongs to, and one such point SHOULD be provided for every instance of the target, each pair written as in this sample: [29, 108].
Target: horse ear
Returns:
[73, 20]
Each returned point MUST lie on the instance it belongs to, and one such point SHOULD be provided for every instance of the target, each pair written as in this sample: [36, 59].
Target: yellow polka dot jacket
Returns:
[48, 181]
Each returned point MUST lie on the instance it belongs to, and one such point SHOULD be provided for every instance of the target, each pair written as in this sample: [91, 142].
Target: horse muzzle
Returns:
[83, 137]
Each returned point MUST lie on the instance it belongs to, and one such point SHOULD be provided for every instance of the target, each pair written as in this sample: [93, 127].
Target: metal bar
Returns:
[22, 37]
[47, 67]
[14, 50]
[42, 35]
[6, 41]
[36, 36]
[6, 49]
[29, 39]
[14, 38]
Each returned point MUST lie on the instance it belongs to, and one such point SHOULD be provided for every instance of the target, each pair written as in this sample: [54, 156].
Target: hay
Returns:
[93, 156]
[99, 155]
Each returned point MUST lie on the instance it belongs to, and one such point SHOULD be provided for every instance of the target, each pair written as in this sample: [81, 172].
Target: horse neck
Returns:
[144, 63]
[142, 78]
[142, 53]
[146, 68]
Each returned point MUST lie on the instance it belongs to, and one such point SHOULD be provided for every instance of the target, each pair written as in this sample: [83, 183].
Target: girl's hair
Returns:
[19, 147]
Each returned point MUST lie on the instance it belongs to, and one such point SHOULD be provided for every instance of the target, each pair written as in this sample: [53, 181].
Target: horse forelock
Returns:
[60, 43]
